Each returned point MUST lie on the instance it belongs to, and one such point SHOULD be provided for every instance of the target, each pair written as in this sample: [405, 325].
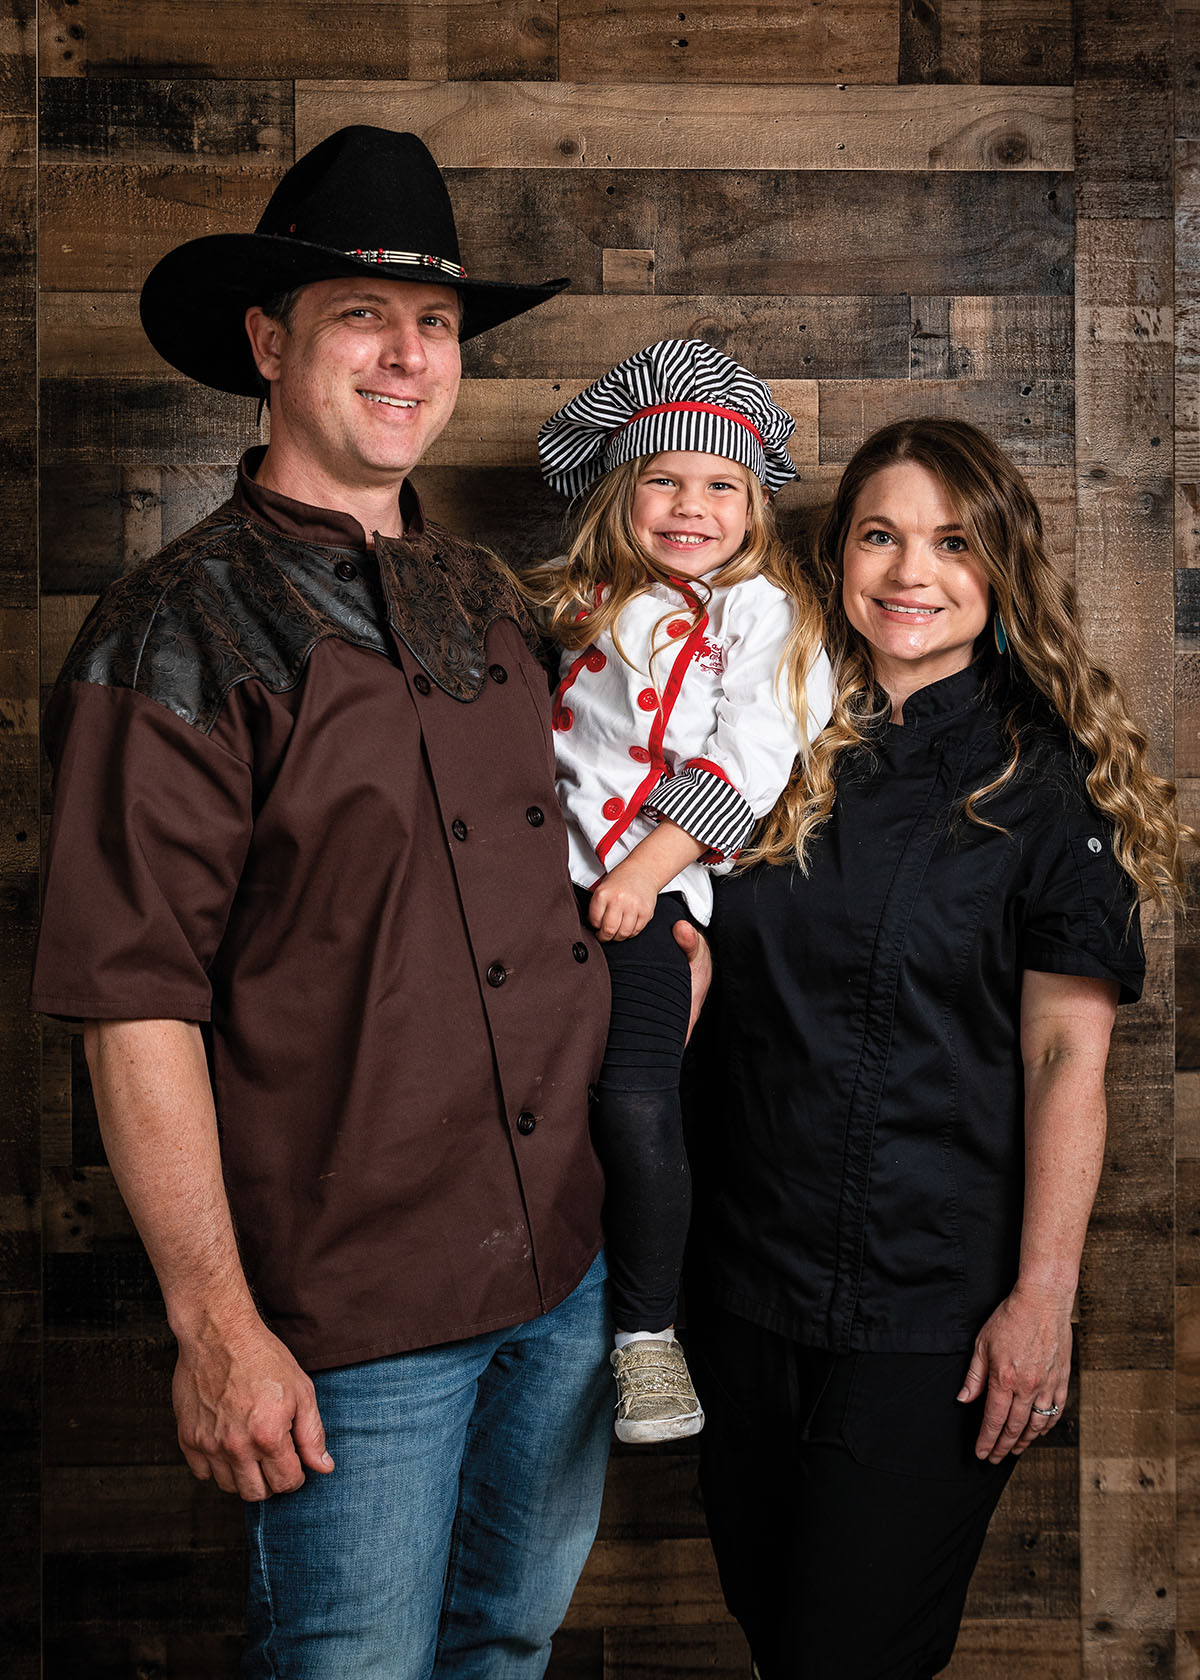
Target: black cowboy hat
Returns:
[364, 201]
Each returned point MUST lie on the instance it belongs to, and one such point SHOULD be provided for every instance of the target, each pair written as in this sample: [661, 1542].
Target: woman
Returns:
[918, 980]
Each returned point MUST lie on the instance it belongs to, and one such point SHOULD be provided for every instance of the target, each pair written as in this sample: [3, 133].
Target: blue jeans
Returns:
[450, 1536]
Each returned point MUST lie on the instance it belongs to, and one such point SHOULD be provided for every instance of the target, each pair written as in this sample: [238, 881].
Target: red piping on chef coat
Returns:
[658, 763]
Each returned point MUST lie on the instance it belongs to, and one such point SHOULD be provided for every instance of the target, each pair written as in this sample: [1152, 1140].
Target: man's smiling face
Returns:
[363, 378]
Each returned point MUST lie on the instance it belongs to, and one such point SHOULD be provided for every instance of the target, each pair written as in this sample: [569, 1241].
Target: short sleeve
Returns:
[150, 827]
[1085, 918]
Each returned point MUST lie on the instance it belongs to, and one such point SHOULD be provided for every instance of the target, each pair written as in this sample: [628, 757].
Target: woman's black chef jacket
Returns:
[863, 1141]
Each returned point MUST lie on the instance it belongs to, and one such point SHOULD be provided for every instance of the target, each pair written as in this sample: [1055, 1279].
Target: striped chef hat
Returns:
[678, 394]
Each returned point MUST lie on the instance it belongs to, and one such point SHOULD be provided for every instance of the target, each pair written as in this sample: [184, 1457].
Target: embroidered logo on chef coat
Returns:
[710, 656]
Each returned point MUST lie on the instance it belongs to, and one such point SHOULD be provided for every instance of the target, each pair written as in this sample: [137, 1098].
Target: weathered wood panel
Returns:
[986, 41]
[160, 123]
[98, 334]
[20, 1072]
[1032, 419]
[720, 232]
[881, 248]
[139, 421]
[772, 41]
[620, 126]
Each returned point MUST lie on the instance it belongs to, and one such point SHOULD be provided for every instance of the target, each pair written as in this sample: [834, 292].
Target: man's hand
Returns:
[247, 1414]
[699, 955]
[623, 902]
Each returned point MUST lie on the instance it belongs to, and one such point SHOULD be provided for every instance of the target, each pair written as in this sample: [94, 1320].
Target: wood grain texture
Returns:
[140, 38]
[722, 232]
[903, 242]
[559, 125]
[99, 335]
[103, 119]
[20, 1049]
[1127, 1517]
[772, 41]
[1031, 419]
[1187, 353]
[1020, 41]
[140, 422]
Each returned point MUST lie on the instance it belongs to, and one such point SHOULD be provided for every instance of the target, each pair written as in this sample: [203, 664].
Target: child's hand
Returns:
[623, 902]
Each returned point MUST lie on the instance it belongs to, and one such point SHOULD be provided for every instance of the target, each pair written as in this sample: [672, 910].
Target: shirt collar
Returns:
[326, 527]
[941, 702]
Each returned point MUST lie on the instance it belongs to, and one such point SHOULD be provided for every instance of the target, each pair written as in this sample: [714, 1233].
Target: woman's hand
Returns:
[1022, 1360]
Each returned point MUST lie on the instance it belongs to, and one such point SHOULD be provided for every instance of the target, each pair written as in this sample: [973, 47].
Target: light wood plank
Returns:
[561, 125]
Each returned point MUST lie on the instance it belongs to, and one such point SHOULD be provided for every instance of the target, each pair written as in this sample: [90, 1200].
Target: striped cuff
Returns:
[710, 809]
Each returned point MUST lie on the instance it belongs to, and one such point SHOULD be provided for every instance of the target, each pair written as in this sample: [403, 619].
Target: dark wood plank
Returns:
[105, 119]
[778, 337]
[1032, 420]
[136, 1507]
[1014, 42]
[138, 38]
[651, 1495]
[98, 334]
[1187, 70]
[20, 1070]
[108, 1401]
[135, 421]
[775, 41]
[717, 232]
[1030, 1562]
[118, 1656]
[641, 1584]
[676, 1653]
[1001, 1648]
[133, 1592]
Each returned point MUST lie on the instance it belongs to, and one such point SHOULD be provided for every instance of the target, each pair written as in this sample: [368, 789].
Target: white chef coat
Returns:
[703, 733]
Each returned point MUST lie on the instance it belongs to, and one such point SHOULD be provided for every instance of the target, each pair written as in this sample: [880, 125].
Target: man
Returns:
[308, 889]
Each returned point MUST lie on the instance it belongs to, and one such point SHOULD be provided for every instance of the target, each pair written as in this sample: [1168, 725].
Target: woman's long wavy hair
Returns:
[1046, 674]
[578, 598]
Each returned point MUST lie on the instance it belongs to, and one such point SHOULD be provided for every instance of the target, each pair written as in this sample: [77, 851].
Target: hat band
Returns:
[695, 408]
[442, 264]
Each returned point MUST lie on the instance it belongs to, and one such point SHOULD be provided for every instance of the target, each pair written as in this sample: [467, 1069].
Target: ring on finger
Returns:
[1050, 1411]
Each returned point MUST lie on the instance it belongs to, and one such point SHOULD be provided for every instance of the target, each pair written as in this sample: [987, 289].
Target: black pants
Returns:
[636, 1123]
[846, 1505]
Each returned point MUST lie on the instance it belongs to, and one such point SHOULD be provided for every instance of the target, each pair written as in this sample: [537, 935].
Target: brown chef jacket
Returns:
[305, 793]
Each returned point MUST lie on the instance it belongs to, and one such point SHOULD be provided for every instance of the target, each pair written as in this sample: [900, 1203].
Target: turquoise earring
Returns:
[998, 632]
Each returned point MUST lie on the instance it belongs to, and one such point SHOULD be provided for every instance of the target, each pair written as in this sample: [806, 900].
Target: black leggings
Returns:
[636, 1125]
[845, 1502]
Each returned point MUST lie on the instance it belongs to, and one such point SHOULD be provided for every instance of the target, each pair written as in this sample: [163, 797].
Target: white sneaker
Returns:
[655, 1397]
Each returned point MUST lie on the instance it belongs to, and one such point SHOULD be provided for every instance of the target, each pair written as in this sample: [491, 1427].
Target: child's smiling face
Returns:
[691, 512]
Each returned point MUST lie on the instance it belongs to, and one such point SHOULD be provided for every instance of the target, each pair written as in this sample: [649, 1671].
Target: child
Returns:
[672, 738]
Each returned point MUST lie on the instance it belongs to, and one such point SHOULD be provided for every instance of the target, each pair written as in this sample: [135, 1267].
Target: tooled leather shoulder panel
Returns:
[226, 602]
[443, 596]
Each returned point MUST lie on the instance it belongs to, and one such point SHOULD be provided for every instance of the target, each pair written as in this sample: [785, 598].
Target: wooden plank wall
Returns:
[885, 206]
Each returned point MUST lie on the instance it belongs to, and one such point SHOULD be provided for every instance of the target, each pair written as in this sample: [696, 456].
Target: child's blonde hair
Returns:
[578, 598]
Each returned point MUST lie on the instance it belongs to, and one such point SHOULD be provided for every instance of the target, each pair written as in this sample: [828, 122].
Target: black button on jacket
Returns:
[861, 1135]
